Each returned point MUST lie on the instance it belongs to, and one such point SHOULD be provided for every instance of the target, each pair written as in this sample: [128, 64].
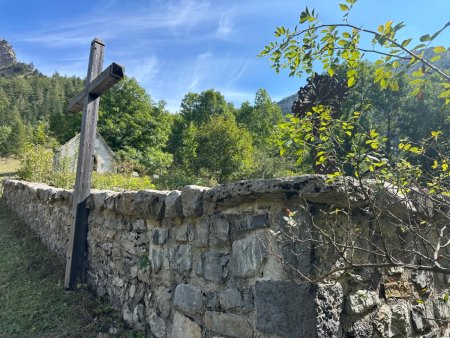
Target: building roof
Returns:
[74, 140]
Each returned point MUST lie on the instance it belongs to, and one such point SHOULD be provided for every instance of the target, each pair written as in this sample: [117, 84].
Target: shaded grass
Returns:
[32, 298]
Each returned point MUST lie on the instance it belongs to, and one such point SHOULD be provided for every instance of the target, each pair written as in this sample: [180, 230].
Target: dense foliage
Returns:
[391, 135]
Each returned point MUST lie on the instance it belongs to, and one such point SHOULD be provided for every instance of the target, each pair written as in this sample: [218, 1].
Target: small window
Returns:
[94, 163]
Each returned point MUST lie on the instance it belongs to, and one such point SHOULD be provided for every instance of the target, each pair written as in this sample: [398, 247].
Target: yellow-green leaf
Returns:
[330, 71]
[351, 81]
[439, 49]
[394, 86]
[343, 7]
[445, 94]
[435, 58]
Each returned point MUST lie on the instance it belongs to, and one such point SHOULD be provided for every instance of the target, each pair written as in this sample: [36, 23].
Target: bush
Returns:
[36, 163]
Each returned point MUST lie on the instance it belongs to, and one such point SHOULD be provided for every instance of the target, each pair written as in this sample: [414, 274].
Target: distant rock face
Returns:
[7, 54]
[286, 104]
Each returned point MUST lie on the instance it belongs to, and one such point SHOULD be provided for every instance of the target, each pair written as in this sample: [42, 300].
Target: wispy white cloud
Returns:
[144, 71]
[225, 25]
[167, 18]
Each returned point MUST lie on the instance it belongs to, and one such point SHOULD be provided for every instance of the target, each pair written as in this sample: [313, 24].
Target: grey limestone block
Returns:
[157, 325]
[192, 200]
[163, 301]
[212, 266]
[124, 202]
[422, 317]
[149, 204]
[248, 255]
[181, 232]
[174, 205]
[188, 299]
[139, 225]
[180, 257]
[160, 236]
[247, 222]
[158, 259]
[201, 232]
[230, 299]
[212, 300]
[361, 301]
[228, 324]
[400, 318]
[183, 327]
[219, 230]
[293, 310]
[382, 321]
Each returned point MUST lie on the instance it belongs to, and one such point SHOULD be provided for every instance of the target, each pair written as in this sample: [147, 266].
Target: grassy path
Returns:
[32, 300]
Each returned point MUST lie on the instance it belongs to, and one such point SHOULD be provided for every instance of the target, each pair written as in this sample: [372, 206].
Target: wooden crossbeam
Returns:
[108, 78]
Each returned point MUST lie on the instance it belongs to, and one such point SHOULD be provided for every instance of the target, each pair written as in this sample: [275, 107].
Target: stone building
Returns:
[103, 161]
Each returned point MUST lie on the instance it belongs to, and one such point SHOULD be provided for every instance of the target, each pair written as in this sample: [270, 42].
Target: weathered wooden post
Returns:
[88, 100]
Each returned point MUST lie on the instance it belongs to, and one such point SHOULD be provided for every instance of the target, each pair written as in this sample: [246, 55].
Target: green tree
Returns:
[218, 149]
[129, 119]
[385, 172]
[196, 109]
[260, 118]
[199, 108]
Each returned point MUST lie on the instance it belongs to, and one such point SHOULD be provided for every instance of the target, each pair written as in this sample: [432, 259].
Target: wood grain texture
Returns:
[75, 258]
[108, 78]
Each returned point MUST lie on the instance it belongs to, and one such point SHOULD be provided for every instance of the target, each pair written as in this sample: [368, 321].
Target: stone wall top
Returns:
[193, 201]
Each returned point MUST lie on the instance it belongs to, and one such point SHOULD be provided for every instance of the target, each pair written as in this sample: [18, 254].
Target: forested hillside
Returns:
[28, 97]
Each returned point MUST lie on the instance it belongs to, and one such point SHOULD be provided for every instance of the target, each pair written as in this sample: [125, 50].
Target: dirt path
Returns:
[32, 300]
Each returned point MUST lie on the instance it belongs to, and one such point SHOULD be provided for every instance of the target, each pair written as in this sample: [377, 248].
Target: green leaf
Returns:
[351, 81]
[435, 58]
[344, 7]
[406, 42]
[439, 49]
[330, 71]
[418, 73]
[445, 94]
[351, 72]
[425, 37]
[394, 86]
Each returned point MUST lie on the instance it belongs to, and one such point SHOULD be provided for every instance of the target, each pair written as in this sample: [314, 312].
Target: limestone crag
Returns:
[7, 55]
[203, 263]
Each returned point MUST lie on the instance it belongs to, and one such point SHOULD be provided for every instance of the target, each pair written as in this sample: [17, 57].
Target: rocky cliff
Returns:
[7, 55]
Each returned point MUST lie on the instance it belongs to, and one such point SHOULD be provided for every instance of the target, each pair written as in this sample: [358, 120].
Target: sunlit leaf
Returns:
[439, 49]
[351, 81]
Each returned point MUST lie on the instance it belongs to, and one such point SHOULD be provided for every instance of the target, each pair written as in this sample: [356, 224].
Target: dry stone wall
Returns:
[202, 263]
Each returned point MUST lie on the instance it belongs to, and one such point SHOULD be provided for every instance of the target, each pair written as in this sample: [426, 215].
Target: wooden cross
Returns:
[88, 101]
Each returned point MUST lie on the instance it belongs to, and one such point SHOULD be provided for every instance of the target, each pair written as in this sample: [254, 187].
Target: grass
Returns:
[32, 298]
[8, 166]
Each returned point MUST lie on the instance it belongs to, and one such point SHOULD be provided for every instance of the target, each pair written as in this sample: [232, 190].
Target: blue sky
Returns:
[175, 46]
